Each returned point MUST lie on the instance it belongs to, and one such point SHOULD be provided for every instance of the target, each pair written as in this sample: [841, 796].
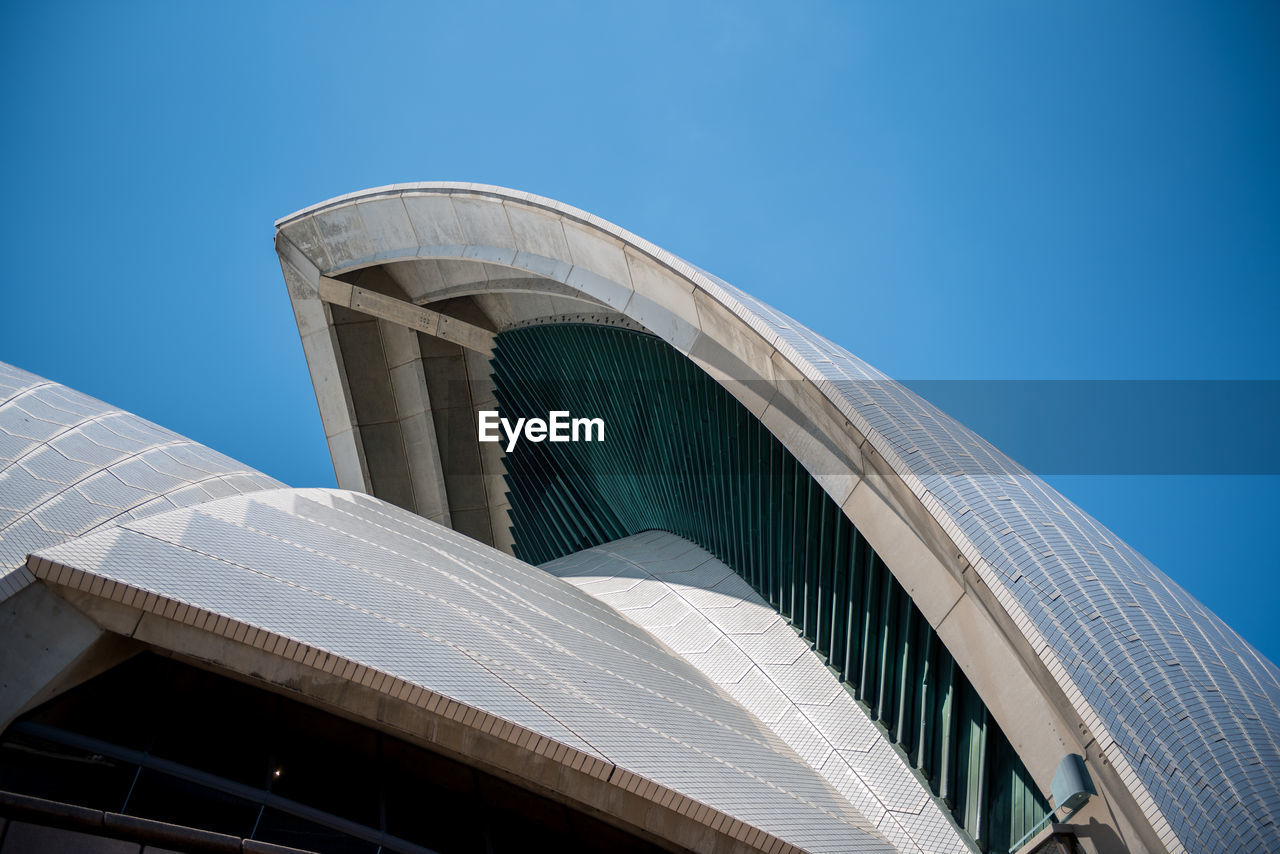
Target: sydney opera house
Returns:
[780, 604]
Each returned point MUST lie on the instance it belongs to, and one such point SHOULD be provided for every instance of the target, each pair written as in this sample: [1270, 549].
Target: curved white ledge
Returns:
[707, 614]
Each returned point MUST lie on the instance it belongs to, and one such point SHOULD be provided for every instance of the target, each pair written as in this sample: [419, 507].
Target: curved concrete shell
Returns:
[326, 590]
[695, 604]
[358, 607]
[70, 465]
[1075, 642]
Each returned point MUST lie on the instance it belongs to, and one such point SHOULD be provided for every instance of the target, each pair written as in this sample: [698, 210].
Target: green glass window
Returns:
[682, 455]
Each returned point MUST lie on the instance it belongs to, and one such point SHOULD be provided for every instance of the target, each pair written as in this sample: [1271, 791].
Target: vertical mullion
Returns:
[808, 562]
[734, 483]
[718, 532]
[853, 633]
[747, 464]
[663, 390]
[888, 623]
[702, 473]
[866, 660]
[822, 592]
[925, 727]
[783, 527]
[769, 534]
[906, 648]
[946, 730]
[978, 773]
[573, 393]
[794, 532]
[839, 595]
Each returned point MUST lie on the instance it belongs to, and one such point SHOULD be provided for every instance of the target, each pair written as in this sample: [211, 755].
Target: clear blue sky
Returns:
[954, 191]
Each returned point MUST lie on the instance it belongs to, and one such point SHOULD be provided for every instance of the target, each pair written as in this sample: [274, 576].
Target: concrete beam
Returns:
[406, 314]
